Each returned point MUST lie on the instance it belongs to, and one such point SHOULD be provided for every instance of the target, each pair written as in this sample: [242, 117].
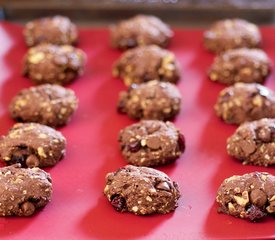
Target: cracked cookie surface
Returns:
[47, 104]
[230, 34]
[245, 102]
[23, 190]
[32, 145]
[254, 143]
[250, 196]
[151, 143]
[150, 100]
[56, 30]
[146, 63]
[140, 30]
[47, 63]
[240, 65]
[141, 190]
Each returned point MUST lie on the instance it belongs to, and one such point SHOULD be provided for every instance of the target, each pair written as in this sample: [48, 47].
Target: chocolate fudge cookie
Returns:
[141, 190]
[32, 145]
[150, 100]
[250, 196]
[47, 63]
[232, 33]
[140, 30]
[145, 63]
[245, 102]
[23, 190]
[56, 30]
[47, 104]
[240, 65]
[151, 143]
[254, 143]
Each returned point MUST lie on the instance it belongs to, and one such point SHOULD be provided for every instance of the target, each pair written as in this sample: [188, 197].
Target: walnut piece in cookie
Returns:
[141, 190]
[145, 63]
[250, 196]
[240, 65]
[57, 30]
[47, 104]
[32, 145]
[230, 34]
[150, 100]
[23, 190]
[254, 143]
[140, 30]
[151, 143]
[47, 63]
[245, 102]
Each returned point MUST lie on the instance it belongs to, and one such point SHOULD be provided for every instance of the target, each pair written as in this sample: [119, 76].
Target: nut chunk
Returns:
[47, 63]
[23, 190]
[146, 63]
[151, 143]
[32, 145]
[254, 143]
[250, 196]
[151, 100]
[47, 104]
[56, 30]
[141, 190]
[245, 102]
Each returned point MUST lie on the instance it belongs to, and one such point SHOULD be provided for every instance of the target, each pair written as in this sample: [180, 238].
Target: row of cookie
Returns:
[151, 142]
[251, 196]
[29, 146]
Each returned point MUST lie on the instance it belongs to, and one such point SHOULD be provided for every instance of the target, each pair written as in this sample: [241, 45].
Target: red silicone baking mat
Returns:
[78, 209]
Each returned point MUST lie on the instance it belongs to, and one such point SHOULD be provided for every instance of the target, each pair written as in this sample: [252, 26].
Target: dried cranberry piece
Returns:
[181, 142]
[134, 146]
[254, 213]
[118, 202]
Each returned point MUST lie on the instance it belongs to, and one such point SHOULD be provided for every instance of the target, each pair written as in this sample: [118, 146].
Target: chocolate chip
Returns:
[118, 203]
[181, 142]
[264, 134]
[163, 186]
[248, 148]
[258, 197]
[32, 161]
[153, 142]
[134, 146]
[27, 208]
[254, 213]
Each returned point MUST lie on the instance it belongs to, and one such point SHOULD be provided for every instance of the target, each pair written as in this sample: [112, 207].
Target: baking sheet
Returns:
[78, 209]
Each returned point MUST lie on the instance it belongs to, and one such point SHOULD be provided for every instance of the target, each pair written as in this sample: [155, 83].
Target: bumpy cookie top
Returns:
[141, 190]
[140, 30]
[47, 63]
[245, 102]
[47, 104]
[56, 30]
[240, 65]
[22, 190]
[146, 63]
[232, 33]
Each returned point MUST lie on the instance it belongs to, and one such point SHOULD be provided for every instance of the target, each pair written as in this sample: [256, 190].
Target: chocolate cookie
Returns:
[150, 100]
[254, 143]
[145, 63]
[240, 65]
[23, 190]
[47, 104]
[245, 102]
[141, 190]
[151, 143]
[140, 30]
[232, 33]
[56, 30]
[32, 145]
[251, 196]
[47, 63]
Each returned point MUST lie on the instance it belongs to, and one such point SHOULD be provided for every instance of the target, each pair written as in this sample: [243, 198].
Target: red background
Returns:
[78, 209]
